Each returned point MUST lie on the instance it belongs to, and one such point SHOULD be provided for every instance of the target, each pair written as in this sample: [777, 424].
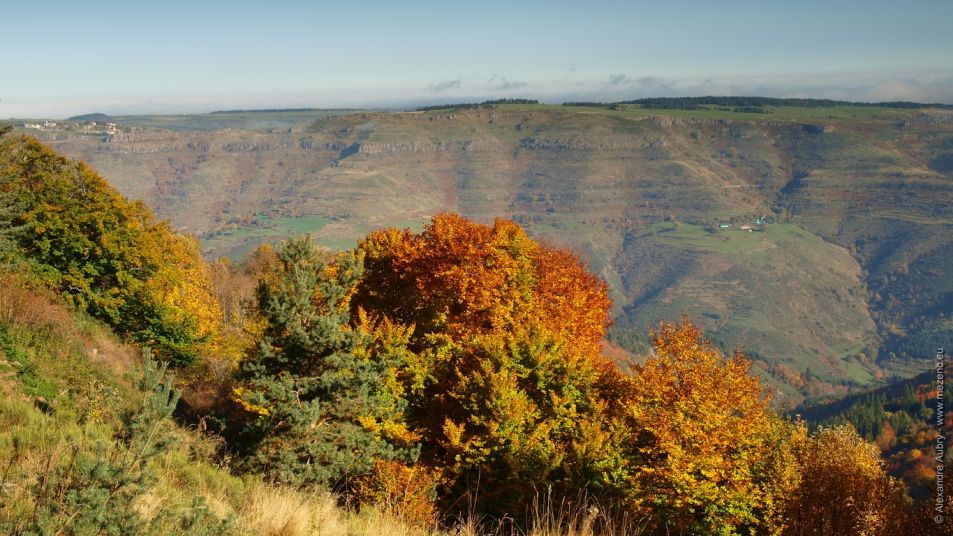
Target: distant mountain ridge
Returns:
[266, 110]
[90, 117]
[733, 101]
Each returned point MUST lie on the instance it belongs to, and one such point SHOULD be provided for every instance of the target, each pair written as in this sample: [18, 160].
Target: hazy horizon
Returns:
[175, 57]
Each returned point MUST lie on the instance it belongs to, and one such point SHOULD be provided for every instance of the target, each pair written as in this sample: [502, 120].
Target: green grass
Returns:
[237, 242]
[237, 120]
[760, 291]
[865, 114]
[26, 350]
[858, 373]
[299, 225]
[755, 246]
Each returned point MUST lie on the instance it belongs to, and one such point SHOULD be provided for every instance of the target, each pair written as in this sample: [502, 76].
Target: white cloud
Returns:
[445, 85]
[502, 83]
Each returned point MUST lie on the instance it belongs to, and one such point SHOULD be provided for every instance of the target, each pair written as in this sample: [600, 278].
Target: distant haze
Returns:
[65, 58]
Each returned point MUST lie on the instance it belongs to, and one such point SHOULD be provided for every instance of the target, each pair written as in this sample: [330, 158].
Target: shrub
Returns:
[88, 481]
[843, 488]
[407, 492]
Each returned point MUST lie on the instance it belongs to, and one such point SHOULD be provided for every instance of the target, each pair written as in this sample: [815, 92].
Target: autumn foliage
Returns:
[105, 254]
[407, 492]
[486, 346]
[463, 278]
[504, 339]
[840, 486]
[452, 371]
[700, 422]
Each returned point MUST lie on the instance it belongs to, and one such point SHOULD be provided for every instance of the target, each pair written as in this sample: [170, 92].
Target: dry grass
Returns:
[581, 518]
[549, 517]
[277, 511]
[103, 347]
[268, 510]
[25, 305]
[274, 511]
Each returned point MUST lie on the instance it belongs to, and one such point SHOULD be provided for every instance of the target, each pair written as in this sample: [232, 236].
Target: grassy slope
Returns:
[238, 119]
[865, 180]
[65, 382]
[812, 318]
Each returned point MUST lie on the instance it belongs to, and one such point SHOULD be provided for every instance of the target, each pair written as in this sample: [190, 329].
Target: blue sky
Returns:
[67, 57]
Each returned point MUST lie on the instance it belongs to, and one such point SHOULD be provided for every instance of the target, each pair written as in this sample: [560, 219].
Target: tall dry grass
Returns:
[277, 511]
[23, 304]
[273, 511]
[549, 516]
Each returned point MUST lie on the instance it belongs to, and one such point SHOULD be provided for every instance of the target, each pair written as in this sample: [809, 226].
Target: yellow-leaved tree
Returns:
[842, 488]
[698, 425]
[106, 254]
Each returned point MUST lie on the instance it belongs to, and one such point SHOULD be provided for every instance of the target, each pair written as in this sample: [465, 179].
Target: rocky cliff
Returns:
[844, 275]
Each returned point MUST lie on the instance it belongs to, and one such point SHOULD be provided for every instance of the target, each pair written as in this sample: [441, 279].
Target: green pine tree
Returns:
[315, 378]
[95, 492]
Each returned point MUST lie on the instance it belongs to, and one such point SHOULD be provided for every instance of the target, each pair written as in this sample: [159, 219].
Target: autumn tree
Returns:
[321, 386]
[174, 309]
[461, 278]
[505, 344]
[482, 345]
[842, 488]
[698, 424]
[105, 254]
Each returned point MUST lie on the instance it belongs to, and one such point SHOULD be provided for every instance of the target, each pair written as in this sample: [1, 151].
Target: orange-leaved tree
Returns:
[503, 385]
[463, 278]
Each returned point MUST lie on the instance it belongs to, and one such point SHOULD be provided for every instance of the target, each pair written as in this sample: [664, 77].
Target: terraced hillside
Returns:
[845, 279]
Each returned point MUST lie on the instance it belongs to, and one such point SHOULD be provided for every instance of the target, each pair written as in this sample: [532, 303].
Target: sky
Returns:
[63, 58]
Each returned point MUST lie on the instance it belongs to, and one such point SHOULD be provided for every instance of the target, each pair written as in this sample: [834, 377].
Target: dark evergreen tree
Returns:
[314, 379]
[10, 207]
